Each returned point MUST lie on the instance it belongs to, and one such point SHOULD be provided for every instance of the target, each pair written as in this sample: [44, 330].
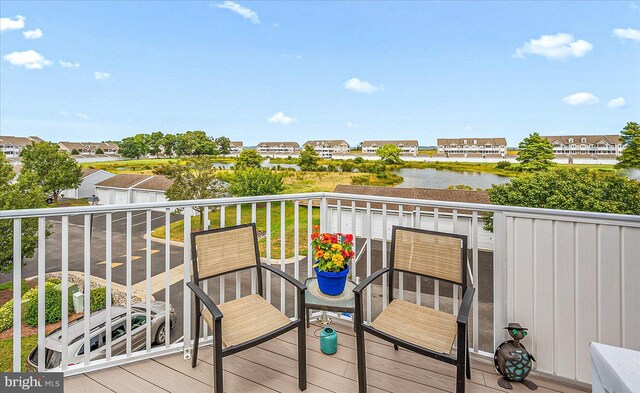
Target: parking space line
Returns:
[113, 264]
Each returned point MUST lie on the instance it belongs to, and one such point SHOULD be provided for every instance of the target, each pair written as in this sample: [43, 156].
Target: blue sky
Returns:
[282, 71]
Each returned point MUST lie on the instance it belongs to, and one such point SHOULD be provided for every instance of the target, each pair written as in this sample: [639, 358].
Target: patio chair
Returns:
[421, 329]
[247, 321]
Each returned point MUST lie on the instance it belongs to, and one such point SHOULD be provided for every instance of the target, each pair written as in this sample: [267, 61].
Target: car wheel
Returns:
[161, 335]
[49, 201]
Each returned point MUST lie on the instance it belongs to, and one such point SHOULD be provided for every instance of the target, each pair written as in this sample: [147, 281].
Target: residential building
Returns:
[11, 146]
[409, 147]
[473, 146]
[90, 177]
[236, 147]
[327, 148]
[610, 145]
[278, 147]
[87, 148]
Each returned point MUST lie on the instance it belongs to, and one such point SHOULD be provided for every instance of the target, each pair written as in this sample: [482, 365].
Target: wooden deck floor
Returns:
[271, 367]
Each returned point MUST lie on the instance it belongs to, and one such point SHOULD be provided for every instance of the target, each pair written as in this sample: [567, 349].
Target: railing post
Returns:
[324, 214]
[499, 277]
[186, 316]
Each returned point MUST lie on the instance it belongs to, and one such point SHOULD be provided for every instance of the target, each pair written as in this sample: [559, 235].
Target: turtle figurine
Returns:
[512, 360]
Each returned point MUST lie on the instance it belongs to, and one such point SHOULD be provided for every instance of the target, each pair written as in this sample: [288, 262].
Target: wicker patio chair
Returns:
[421, 329]
[247, 321]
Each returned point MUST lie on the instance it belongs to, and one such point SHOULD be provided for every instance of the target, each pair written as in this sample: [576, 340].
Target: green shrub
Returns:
[503, 165]
[9, 285]
[6, 315]
[54, 280]
[52, 306]
[99, 298]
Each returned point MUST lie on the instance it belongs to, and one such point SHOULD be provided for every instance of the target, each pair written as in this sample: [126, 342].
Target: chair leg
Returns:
[395, 346]
[460, 379]
[468, 359]
[194, 352]
[217, 356]
[302, 356]
[362, 366]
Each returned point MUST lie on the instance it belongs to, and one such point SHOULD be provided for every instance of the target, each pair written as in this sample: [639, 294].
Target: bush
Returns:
[9, 285]
[503, 165]
[54, 280]
[347, 166]
[358, 160]
[6, 315]
[99, 298]
[99, 151]
[52, 306]
[75, 152]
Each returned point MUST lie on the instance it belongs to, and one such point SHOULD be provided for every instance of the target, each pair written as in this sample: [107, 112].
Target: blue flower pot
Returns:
[332, 283]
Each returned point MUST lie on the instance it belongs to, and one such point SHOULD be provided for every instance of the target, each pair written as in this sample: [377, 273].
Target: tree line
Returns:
[188, 144]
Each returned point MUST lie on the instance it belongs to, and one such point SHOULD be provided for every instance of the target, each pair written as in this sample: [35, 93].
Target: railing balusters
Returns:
[436, 282]
[385, 278]
[339, 216]
[238, 277]
[108, 267]
[17, 294]
[400, 274]
[296, 251]
[369, 235]
[309, 231]
[128, 280]
[64, 260]
[223, 217]
[186, 300]
[474, 236]
[268, 252]
[42, 233]
[148, 279]
[416, 224]
[86, 319]
[254, 271]
[167, 274]
[283, 225]
[455, 301]
[205, 283]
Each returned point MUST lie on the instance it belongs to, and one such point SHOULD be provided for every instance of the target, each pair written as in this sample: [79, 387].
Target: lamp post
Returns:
[93, 201]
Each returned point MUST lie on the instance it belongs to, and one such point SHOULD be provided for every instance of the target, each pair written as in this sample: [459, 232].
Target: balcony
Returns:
[567, 276]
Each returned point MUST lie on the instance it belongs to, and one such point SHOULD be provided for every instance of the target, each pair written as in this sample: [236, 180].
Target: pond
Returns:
[434, 178]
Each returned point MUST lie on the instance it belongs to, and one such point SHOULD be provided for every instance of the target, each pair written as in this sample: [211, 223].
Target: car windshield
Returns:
[52, 358]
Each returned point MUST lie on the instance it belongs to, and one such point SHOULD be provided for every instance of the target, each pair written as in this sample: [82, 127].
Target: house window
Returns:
[584, 140]
[465, 141]
[570, 140]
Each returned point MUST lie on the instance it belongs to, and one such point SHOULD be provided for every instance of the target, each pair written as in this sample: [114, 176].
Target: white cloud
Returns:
[351, 125]
[286, 56]
[30, 59]
[616, 102]
[68, 64]
[12, 24]
[581, 98]
[627, 34]
[101, 75]
[555, 47]
[361, 86]
[32, 34]
[281, 118]
[240, 10]
[81, 115]
[64, 113]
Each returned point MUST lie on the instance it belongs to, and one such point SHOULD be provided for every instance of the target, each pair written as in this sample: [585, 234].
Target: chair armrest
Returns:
[204, 298]
[467, 300]
[358, 289]
[284, 275]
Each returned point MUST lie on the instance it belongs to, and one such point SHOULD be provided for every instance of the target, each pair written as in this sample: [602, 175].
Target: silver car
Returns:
[97, 321]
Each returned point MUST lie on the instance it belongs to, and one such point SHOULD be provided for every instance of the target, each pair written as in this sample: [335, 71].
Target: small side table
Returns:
[316, 300]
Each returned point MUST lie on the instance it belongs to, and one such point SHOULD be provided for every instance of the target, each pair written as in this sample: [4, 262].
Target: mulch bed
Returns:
[29, 330]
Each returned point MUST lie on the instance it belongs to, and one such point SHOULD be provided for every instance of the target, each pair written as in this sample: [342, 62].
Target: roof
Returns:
[89, 171]
[327, 142]
[435, 194]
[19, 140]
[89, 145]
[123, 181]
[382, 143]
[479, 141]
[269, 144]
[156, 182]
[590, 139]
[236, 144]
[72, 145]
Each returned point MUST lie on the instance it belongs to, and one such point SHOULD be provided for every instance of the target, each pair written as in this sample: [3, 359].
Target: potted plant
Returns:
[331, 253]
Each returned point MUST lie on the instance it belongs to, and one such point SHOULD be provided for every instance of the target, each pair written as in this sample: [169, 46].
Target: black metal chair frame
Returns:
[218, 351]
[462, 357]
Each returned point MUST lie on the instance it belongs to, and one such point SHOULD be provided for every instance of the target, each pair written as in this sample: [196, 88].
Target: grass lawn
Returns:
[6, 351]
[299, 182]
[177, 228]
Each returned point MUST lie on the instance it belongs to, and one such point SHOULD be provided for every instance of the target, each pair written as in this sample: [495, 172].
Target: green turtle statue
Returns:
[512, 360]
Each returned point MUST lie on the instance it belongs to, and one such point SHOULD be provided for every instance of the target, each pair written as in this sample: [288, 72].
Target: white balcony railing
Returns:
[570, 277]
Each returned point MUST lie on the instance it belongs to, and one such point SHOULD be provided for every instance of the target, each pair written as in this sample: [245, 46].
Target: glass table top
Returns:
[317, 300]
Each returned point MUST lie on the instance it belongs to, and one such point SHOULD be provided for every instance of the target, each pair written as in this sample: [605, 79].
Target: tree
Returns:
[390, 154]
[194, 143]
[570, 189]
[169, 143]
[134, 146]
[256, 181]
[630, 136]
[156, 140]
[55, 170]
[23, 194]
[223, 145]
[308, 159]
[99, 151]
[195, 179]
[248, 159]
[75, 152]
[535, 154]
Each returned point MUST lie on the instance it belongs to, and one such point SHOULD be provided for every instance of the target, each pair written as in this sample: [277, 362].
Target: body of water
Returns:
[433, 178]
